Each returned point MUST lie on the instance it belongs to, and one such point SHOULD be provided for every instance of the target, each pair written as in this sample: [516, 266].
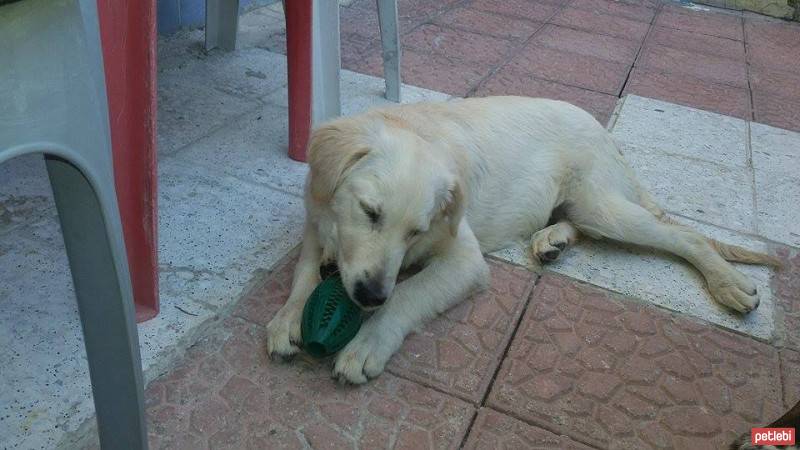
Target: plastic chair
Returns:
[53, 93]
[313, 56]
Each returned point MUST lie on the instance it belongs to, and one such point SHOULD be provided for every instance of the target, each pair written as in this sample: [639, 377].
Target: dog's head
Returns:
[388, 193]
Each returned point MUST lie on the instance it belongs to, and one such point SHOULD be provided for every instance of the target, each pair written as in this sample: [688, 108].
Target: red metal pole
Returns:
[299, 59]
[128, 34]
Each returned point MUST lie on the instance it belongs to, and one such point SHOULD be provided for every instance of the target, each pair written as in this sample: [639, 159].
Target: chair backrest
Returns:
[52, 83]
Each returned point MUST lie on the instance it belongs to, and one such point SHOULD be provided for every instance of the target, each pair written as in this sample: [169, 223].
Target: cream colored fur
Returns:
[453, 180]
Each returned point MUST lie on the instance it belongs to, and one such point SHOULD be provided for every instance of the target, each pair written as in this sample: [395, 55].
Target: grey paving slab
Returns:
[22, 176]
[680, 130]
[256, 27]
[248, 73]
[776, 161]
[662, 279]
[211, 222]
[25, 194]
[694, 162]
[39, 323]
[254, 148]
[361, 92]
[775, 149]
[184, 310]
[44, 372]
[188, 110]
[778, 200]
[709, 192]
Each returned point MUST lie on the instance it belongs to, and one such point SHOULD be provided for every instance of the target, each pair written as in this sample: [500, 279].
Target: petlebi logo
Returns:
[772, 436]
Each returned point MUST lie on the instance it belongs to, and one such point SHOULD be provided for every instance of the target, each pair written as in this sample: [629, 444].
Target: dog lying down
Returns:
[439, 184]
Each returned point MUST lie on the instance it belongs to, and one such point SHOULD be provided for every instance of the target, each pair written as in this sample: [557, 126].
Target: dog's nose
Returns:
[369, 294]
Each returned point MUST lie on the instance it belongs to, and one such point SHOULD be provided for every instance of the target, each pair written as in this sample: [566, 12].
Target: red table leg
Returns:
[298, 56]
[128, 34]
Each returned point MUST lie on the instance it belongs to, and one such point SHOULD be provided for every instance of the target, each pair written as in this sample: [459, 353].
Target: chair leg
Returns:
[326, 62]
[390, 41]
[222, 23]
[105, 305]
[299, 60]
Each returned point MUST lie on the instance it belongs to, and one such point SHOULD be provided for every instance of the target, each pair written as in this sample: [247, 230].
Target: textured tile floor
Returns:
[579, 358]
[584, 367]
[618, 374]
[695, 56]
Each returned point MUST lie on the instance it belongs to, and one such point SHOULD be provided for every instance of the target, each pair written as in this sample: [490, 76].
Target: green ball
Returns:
[330, 319]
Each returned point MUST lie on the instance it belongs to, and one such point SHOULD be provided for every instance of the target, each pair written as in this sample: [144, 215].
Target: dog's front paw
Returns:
[365, 356]
[283, 333]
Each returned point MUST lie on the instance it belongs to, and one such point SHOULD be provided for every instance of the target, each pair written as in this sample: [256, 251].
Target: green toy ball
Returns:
[330, 319]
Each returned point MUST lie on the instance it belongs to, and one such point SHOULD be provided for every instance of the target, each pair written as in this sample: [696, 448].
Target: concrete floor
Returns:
[230, 206]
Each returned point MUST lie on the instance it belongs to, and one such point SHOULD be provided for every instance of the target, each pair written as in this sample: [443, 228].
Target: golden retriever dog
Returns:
[436, 185]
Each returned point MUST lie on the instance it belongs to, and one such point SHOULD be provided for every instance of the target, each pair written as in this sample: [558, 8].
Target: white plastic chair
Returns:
[53, 102]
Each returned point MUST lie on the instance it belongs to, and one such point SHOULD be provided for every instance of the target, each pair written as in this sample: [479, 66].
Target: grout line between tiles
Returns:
[548, 427]
[781, 377]
[639, 50]
[176, 159]
[752, 175]
[514, 53]
[528, 297]
[747, 73]
[213, 130]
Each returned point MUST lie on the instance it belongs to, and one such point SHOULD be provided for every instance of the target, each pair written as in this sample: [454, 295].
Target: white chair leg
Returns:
[222, 22]
[390, 42]
[326, 61]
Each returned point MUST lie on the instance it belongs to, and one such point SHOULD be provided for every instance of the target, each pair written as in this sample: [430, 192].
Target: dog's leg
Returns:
[449, 277]
[283, 331]
[614, 217]
[548, 243]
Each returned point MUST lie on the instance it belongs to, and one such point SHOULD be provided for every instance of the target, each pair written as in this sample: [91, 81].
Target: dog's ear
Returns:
[454, 207]
[333, 151]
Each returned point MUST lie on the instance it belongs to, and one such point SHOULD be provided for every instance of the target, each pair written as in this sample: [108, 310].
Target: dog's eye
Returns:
[414, 233]
[374, 216]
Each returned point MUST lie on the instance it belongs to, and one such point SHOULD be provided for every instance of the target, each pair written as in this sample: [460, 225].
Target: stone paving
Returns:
[614, 373]
[608, 348]
[584, 368]
[590, 52]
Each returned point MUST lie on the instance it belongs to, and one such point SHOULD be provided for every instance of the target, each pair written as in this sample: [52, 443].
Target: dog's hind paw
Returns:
[739, 293]
[548, 243]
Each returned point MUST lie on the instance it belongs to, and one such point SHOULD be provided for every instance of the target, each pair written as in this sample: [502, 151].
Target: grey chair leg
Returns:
[106, 309]
[222, 22]
[326, 61]
[390, 41]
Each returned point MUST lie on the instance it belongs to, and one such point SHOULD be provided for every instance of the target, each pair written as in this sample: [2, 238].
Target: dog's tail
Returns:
[740, 254]
[729, 252]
